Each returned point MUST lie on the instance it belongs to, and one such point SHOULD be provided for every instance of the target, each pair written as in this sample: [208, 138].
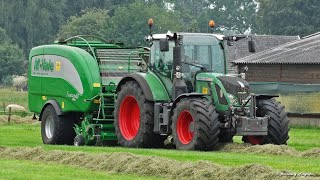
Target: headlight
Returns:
[233, 99]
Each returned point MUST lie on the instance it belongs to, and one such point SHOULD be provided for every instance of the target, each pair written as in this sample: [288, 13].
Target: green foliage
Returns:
[7, 80]
[11, 59]
[290, 17]
[238, 15]
[129, 22]
[31, 22]
[34, 22]
[90, 22]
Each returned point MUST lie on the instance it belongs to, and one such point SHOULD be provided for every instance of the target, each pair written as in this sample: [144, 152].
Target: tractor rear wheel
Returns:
[56, 129]
[195, 125]
[278, 125]
[134, 118]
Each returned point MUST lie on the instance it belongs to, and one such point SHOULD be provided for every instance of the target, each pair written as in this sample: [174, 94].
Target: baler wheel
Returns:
[56, 129]
[134, 118]
[195, 125]
[278, 126]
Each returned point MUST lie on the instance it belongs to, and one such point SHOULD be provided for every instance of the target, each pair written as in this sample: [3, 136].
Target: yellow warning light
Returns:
[150, 22]
[211, 23]
[204, 90]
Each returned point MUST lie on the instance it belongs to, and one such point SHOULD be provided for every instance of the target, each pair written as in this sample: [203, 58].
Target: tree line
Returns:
[25, 24]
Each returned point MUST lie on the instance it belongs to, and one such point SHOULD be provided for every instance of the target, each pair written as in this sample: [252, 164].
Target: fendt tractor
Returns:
[89, 91]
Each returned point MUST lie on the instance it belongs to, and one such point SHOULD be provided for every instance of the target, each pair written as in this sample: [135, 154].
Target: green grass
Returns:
[20, 135]
[28, 135]
[22, 169]
[303, 139]
[299, 138]
[11, 96]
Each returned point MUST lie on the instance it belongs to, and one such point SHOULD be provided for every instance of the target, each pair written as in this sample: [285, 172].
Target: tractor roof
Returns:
[162, 36]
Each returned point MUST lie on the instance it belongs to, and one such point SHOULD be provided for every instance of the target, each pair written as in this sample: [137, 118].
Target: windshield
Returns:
[200, 50]
[205, 51]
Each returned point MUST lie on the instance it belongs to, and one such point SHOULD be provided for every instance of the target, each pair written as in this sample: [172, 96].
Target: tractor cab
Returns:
[198, 53]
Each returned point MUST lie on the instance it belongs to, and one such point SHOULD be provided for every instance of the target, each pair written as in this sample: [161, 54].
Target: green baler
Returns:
[97, 92]
[69, 85]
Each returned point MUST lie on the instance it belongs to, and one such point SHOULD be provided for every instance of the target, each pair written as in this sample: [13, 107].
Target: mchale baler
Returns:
[88, 91]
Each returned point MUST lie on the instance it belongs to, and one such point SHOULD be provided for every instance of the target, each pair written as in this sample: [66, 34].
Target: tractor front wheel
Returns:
[195, 125]
[278, 125]
[134, 118]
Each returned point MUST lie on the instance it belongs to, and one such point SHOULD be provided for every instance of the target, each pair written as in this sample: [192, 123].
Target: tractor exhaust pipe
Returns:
[179, 84]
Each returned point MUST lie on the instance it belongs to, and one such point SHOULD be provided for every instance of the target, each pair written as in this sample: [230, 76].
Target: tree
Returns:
[291, 17]
[129, 22]
[237, 15]
[90, 22]
[31, 22]
[11, 59]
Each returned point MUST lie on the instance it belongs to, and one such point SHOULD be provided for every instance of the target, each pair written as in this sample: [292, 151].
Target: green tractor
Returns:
[88, 91]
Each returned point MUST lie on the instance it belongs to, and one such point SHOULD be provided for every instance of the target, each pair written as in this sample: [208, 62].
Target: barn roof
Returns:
[263, 42]
[303, 51]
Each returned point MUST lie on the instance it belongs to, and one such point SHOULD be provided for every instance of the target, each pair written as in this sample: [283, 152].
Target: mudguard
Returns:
[152, 87]
[55, 105]
[182, 96]
[265, 96]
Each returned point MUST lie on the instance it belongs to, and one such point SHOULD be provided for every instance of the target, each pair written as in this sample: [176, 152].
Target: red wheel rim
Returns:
[183, 127]
[129, 117]
[255, 140]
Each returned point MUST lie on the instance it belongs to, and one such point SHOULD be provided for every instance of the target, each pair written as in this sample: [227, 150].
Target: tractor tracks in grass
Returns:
[269, 149]
[128, 163]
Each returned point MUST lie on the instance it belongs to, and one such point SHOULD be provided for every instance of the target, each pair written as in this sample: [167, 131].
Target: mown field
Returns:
[24, 156]
[21, 146]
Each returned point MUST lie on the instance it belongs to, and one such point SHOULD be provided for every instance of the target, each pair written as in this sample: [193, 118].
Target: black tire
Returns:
[130, 135]
[56, 129]
[225, 137]
[204, 124]
[278, 125]
[79, 141]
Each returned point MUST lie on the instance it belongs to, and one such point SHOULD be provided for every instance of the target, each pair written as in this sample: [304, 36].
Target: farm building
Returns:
[291, 70]
[263, 42]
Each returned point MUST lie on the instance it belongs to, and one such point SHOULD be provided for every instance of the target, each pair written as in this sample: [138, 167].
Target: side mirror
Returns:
[164, 45]
[252, 46]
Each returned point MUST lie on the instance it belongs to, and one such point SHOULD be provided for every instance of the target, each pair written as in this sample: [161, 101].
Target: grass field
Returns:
[11, 96]
[26, 136]
[24, 156]
[22, 169]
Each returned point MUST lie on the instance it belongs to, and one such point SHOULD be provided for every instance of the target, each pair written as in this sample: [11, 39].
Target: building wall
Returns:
[291, 73]
[298, 86]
